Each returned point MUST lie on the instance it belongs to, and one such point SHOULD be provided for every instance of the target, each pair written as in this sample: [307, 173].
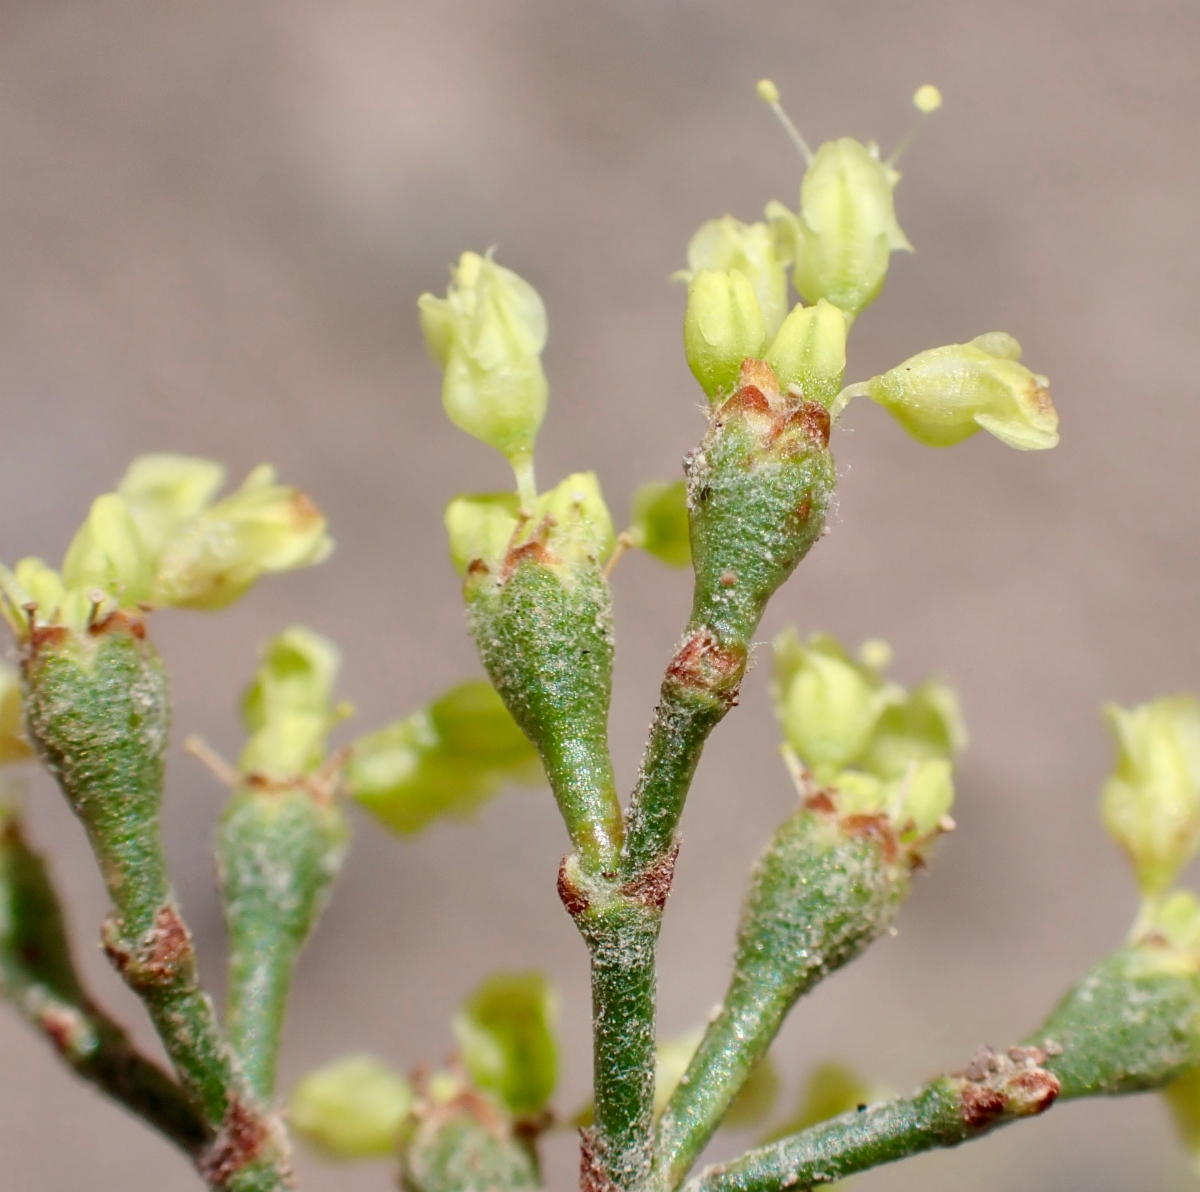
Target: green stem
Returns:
[623, 942]
[1129, 1026]
[38, 975]
[685, 716]
[97, 709]
[757, 499]
[853, 1142]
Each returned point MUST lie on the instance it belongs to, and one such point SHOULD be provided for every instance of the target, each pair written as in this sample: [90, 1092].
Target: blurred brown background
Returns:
[215, 219]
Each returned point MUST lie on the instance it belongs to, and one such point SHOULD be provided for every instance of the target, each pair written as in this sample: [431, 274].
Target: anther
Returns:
[927, 99]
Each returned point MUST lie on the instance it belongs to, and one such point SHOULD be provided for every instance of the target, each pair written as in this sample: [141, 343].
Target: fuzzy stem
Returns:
[97, 709]
[1128, 1026]
[622, 935]
[38, 975]
[683, 721]
[757, 496]
[855, 1141]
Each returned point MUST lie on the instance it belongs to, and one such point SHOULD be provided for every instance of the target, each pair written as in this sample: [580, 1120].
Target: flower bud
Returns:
[288, 710]
[14, 747]
[810, 352]
[1151, 804]
[828, 705]
[108, 553]
[723, 327]
[352, 1108]
[660, 522]
[488, 334]
[945, 395]
[480, 528]
[846, 229]
[925, 724]
[164, 492]
[580, 527]
[728, 245]
[263, 528]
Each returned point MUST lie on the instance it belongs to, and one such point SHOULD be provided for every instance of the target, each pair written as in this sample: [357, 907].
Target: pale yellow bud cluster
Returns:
[570, 523]
[846, 726]
[160, 539]
[838, 245]
[1151, 803]
[288, 709]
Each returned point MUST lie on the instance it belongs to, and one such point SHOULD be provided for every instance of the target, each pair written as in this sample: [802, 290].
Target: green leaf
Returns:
[351, 1108]
[443, 761]
[505, 1031]
[660, 522]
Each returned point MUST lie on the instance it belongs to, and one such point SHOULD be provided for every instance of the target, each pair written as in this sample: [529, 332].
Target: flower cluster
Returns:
[163, 539]
[846, 726]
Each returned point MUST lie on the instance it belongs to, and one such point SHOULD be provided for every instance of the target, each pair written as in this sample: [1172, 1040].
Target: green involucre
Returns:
[824, 888]
[756, 511]
[546, 643]
[98, 711]
[279, 849]
[465, 1146]
[1131, 1024]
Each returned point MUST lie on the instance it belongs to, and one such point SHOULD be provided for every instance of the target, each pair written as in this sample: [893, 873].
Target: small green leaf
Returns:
[445, 760]
[660, 522]
[472, 723]
[505, 1031]
[351, 1108]
[756, 1098]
